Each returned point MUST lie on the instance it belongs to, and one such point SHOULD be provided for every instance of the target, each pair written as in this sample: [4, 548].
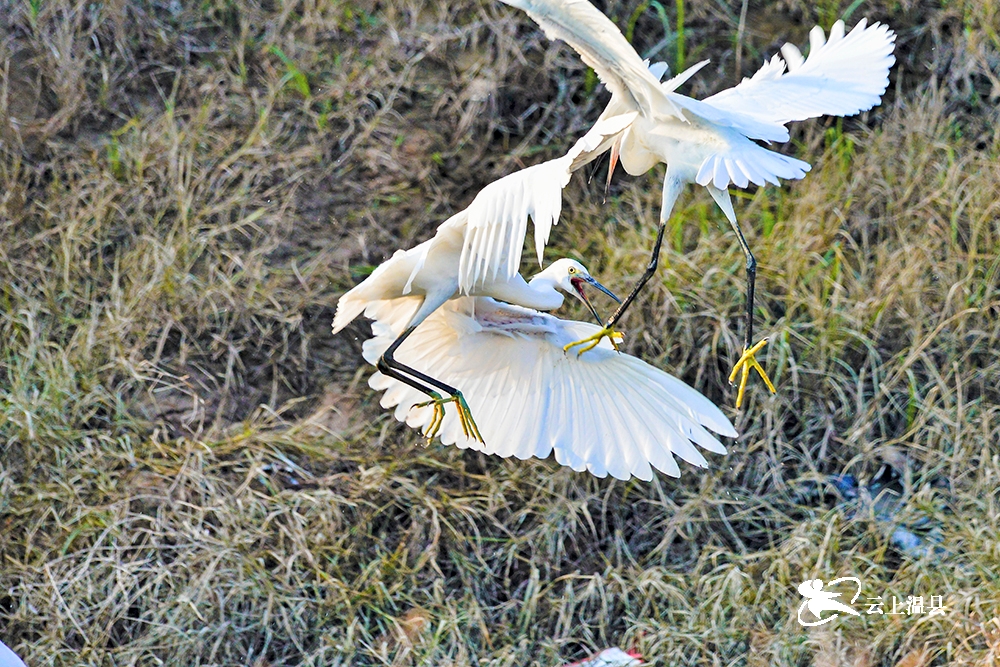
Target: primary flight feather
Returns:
[604, 412]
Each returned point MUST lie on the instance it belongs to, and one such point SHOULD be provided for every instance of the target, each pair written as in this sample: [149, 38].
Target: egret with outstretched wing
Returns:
[425, 277]
[605, 412]
[712, 142]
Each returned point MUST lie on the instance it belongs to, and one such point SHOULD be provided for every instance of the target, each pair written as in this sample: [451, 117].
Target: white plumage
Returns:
[433, 270]
[708, 141]
[713, 142]
[842, 76]
[425, 277]
[497, 219]
[646, 122]
[604, 412]
[420, 280]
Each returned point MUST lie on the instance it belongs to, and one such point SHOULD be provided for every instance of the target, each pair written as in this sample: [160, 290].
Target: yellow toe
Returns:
[465, 420]
[590, 342]
[746, 362]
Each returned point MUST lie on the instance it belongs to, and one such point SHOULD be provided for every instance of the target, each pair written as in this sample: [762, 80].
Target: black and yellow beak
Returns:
[578, 283]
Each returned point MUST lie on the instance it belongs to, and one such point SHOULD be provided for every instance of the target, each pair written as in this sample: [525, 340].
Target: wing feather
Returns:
[497, 220]
[504, 405]
[842, 76]
[583, 421]
[560, 430]
[737, 118]
[605, 412]
[673, 441]
[519, 442]
[602, 46]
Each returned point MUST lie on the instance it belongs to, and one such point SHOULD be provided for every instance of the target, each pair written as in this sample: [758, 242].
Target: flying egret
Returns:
[711, 142]
[425, 277]
[606, 412]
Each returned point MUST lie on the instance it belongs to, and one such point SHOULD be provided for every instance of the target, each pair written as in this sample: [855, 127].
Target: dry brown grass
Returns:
[193, 470]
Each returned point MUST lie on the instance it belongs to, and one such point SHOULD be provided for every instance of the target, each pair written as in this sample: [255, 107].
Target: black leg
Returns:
[388, 365]
[747, 360]
[722, 198]
[650, 270]
[672, 186]
[751, 283]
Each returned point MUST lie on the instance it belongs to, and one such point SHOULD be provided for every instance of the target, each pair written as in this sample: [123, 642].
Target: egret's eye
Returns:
[572, 270]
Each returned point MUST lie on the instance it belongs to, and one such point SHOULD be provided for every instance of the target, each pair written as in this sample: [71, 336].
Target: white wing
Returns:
[748, 125]
[606, 131]
[602, 46]
[842, 76]
[605, 412]
[496, 221]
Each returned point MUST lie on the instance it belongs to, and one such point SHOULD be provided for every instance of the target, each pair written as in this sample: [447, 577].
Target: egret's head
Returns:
[570, 276]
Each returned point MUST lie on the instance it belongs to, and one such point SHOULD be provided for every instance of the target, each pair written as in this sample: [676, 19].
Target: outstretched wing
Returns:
[605, 412]
[602, 46]
[496, 221]
[842, 76]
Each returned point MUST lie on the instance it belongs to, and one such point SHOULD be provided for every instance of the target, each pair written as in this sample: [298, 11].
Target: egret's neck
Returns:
[544, 294]
[540, 293]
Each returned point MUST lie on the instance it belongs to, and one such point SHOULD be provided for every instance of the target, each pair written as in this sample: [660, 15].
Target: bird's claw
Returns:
[469, 426]
[742, 368]
[465, 420]
[590, 342]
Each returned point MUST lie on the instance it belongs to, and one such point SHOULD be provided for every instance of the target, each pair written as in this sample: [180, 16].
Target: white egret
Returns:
[711, 141]
[423, 278]
[606, 412]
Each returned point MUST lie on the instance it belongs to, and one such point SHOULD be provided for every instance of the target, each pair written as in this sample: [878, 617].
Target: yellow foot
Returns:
[742, 368]
[469, 427]
[590, 342]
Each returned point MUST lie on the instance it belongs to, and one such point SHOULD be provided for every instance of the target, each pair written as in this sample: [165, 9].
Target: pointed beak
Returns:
[615, 152]
[578, 286]
[591, 281]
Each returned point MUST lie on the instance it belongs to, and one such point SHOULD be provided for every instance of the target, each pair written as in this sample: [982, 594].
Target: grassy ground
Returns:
[193, 471]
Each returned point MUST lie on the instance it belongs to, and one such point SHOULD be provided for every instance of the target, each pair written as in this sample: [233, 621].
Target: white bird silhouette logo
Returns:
[817, 600]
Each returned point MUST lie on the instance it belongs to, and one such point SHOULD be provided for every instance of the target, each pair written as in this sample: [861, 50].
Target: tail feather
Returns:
[350, 306]
[392, 279]
[748, 163]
